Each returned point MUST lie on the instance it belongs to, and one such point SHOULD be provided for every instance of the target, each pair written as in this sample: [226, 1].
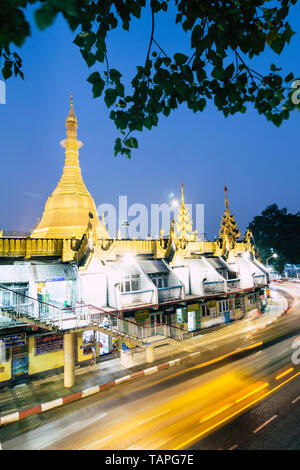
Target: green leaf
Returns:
[110, 97]
[115, 75]
[289, 77]
[45, 16]
[94, 77]
[180, 59]
[7, 70]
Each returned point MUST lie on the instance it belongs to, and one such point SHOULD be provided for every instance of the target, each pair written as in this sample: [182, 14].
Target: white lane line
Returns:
[89, 444]
[233, 447]
[264, 424]
[296, 399]
[152, 417]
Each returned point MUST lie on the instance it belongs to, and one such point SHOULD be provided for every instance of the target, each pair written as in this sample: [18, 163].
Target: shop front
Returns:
[224, 312]
[16, 346]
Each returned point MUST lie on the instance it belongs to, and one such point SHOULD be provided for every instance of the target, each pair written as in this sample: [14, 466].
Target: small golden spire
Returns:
[182, 196]
[226, 198]
[71, 119]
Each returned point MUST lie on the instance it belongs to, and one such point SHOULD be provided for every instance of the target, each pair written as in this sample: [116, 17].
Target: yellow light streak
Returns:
[197, 436]
[252, 393]
[284, 373]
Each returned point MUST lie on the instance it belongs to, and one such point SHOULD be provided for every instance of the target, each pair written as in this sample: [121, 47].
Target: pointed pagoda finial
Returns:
[71, 122]
[226, 198]
[182, 196]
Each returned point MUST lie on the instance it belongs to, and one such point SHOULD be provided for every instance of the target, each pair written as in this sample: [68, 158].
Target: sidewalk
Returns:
[92, 379]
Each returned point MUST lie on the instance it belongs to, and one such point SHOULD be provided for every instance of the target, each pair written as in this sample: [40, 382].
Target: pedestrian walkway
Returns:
[35, 392]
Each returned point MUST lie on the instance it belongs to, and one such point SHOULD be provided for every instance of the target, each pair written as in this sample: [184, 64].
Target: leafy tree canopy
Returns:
[224, 36]
[277, 231]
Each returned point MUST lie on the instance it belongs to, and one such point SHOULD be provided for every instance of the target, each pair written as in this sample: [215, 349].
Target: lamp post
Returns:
[274, 255]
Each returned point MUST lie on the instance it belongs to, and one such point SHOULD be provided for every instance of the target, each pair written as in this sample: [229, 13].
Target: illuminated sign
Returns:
[11, 341]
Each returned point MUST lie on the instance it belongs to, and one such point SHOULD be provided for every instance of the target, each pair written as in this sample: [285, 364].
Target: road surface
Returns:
[248, 400]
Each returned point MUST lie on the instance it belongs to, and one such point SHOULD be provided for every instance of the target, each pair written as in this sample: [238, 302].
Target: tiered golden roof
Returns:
[184, 224]
[229, 229]
[70, 209]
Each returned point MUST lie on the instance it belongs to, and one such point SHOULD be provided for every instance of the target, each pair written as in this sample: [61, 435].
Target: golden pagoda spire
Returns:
[184, 223]
[226, 198]
[229, 229]
[70, 209]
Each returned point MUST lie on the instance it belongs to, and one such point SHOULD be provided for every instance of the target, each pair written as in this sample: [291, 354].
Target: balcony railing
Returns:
[166, 294]
[233, 284]
[213, 287]
[133, 298]
[259, 279]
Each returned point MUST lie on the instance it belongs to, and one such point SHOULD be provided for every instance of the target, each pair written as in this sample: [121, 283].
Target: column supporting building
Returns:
[69, 360]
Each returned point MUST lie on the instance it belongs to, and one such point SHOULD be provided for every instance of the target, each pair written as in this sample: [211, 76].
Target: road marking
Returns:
[263, 425]
[296, 399]
[151, 370]
[233, 447]
[152, 417]
[89, 444]
[284, 373]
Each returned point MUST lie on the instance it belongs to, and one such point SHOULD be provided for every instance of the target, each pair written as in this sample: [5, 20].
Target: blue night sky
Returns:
[259, 161]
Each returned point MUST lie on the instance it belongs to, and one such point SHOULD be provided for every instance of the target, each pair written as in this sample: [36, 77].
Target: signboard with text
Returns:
[11, 341]
[48, 343]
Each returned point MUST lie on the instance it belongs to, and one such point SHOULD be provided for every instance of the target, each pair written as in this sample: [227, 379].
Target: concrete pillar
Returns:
[69, 360]
[150, 354]
[126, 358]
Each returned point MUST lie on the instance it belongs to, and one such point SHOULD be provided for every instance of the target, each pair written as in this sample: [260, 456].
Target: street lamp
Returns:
[274, 255]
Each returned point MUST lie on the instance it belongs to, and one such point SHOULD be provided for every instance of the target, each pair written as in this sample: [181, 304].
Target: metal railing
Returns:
[22, 305]
[233, 284]
[212, 287]
[259, 279]
[140, 297]
[166, 294]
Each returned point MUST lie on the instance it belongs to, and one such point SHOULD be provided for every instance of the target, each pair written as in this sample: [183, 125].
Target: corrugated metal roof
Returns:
[51, 272]
[153, 266]
[15, 273]
[216, 263]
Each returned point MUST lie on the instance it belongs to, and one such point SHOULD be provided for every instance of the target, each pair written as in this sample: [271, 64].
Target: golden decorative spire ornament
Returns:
[229, 229]
[184, 223]
[70, 209]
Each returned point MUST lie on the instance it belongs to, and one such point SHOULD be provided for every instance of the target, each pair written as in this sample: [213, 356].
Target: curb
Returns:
[18, 415]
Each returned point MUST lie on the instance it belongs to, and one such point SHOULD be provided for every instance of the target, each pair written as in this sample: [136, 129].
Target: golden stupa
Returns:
[70, 209]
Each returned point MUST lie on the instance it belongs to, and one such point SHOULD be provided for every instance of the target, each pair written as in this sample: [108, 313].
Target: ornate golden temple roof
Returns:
[70, 209]
[229, 229]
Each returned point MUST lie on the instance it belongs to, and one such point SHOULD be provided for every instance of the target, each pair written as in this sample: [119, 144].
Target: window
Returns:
[205, 310]
[5, 299]
[160, 280]
[237, 303]
[130, 283]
